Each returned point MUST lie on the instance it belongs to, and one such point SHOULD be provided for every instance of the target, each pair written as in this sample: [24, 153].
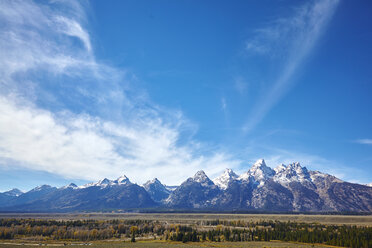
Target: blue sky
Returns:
[97, 89]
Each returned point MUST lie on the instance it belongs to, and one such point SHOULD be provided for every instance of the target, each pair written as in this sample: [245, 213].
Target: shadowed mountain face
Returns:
[195, 192]
[156, 190]
[105, 194]
[9, 196]
[30, 196]
[286, 188]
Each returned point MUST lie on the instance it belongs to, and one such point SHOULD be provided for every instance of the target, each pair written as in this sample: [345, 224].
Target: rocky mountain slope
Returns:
[284, 188]
[157, 191]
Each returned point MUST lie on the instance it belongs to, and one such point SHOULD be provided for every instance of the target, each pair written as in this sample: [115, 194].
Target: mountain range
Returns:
[287, 188]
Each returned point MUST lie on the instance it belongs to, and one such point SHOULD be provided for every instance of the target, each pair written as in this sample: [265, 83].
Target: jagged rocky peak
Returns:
[280, 168]
[155, 186]
[156, 189]
[291, 172]
[122, 180]
[153, 183]
[260, 171]
[259, 164]
[202, 178]
[230, 173]
[296, 169]
[13, 192]
[104, 181]
[225, 179]
[72, 186]
[296, 166]
[301, 170]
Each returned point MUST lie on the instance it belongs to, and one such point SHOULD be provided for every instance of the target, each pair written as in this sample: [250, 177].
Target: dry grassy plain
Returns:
[365, 220]
[155, 244]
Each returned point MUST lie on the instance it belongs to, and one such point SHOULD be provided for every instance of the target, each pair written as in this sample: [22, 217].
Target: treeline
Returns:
[241, 211]
[81, 230]
[345, 236]
[214, 230]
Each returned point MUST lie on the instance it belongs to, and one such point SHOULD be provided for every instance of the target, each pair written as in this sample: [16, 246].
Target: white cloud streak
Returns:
[241, 86]
[73, 28]
[291, 40]
[364, 141]
[102, 129]
[223, 104]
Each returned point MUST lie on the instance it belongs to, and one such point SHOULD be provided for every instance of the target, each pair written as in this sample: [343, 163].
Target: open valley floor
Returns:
[181, 218]
[180, 230]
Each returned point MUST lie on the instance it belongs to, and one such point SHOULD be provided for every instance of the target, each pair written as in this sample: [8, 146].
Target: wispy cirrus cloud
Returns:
[74, 29]
[64, 112]
[241, 86]
[223, 104]
[364, 141]
[289, 41]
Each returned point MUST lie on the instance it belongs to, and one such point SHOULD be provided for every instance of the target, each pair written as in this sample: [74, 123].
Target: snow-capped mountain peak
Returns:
[156, 189]
[122, 180]
[291, 173]
[296, 167]
[225, 179]
[104, 181]
[260, 162]
[280, 168]
[370, 184]
[245, 176]
[202, 178]
[71, 186]
[42, 187]
[153, 182]
[260, 171]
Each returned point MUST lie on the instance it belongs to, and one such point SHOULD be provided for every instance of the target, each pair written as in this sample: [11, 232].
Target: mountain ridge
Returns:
[285, 188]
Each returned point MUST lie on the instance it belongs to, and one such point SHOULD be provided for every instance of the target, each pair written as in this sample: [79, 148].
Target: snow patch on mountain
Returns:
[171, 188]
[122, 180]
[317, 175]
[225, 179]
[157, 190]
[41, 188]
[13, 192]
[291, 173]
[259, 172]
[202, 178]
[280, 168]
[155, 184]
[70, 186]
